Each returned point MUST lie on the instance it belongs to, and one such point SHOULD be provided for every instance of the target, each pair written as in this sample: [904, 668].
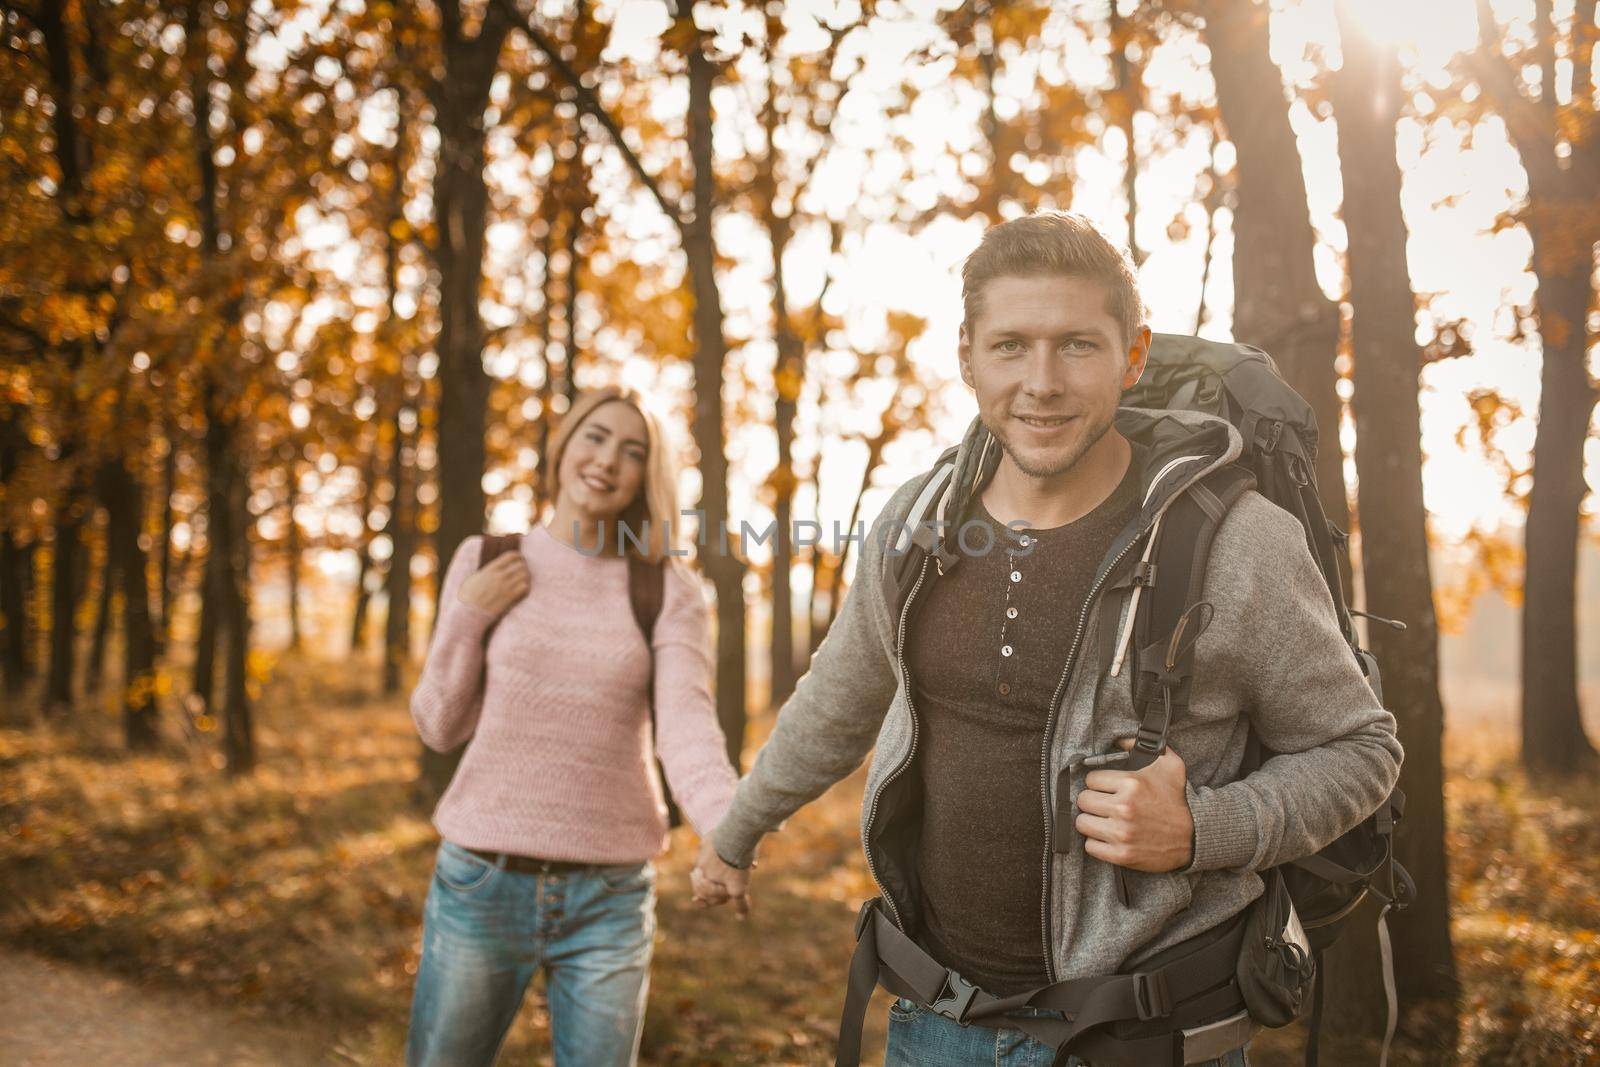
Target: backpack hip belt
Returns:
[1183, 1007]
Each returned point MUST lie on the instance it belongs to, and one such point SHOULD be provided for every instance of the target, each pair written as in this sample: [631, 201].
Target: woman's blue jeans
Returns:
[922, 1038]
[485, 932]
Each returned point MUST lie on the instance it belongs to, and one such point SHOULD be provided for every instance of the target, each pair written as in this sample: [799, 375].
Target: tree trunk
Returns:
[169, 486]
[401, 527]
[95, 669]
[358, 618]
[550, 210]
[238, 722]
[1367, 98]
[16, 660]
[1560, 197]
[125, 556]
[569, 379]
[1127, 99]
[460, 202]
[724, 566]
[63, 607]
[1553, 739]
[789, 377]
[214, 579]
[402, 531]
[1278, 304]
[292, 546]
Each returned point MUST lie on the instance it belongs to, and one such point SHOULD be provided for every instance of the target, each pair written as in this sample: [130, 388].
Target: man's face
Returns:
[1046, 358]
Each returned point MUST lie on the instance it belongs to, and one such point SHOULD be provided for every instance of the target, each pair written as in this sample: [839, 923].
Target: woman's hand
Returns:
[499, 585]
[714, 882]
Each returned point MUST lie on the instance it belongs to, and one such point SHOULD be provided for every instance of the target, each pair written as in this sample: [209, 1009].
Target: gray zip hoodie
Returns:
[1273, 653]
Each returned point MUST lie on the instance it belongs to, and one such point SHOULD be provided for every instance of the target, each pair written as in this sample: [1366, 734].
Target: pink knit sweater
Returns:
[560, 761]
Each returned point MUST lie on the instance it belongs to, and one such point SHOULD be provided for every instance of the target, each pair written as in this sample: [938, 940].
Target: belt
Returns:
[529, 864]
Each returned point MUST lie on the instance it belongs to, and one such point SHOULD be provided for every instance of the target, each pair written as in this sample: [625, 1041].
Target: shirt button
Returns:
[1016, 576]
[1005, 689]
[1026, 540]
[1011, 613]
[1005, 650]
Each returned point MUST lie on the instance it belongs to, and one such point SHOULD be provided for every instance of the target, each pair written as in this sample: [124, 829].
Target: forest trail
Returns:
[64, 1015]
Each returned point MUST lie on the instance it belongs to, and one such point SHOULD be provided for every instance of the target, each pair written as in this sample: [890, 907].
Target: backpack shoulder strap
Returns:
[914, 538]
[646, 592]
[647, 583]
[1172, 616]
[497, 545]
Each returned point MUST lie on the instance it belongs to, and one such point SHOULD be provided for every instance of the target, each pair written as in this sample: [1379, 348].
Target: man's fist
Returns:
[499, 585]
[714, 882]
[1138, 819]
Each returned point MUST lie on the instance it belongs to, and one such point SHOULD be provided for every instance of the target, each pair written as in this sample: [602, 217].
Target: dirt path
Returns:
[55, 1014]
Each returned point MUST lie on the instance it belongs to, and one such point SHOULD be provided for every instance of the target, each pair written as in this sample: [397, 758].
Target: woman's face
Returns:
[602, 468]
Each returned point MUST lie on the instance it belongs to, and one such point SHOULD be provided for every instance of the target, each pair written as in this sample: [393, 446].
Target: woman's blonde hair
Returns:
[652, 516]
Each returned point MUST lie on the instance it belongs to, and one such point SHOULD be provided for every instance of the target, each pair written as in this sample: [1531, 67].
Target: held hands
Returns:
[499, 585]
[714, 882]
[1138, 819]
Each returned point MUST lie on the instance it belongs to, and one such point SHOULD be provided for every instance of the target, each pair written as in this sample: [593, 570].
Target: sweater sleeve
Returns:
[829, 724]
[1308, 700]
[689, 740]
[449, 694]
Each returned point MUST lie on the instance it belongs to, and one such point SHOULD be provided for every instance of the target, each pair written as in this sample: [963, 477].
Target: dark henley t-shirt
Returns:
[986, 655]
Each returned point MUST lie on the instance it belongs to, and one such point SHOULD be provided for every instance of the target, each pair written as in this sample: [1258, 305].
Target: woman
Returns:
[556, 811]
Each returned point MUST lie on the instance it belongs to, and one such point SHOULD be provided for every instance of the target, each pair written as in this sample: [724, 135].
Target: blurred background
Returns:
[292, 293]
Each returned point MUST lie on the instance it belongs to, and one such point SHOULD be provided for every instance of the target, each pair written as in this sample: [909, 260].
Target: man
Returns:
[1000, 676]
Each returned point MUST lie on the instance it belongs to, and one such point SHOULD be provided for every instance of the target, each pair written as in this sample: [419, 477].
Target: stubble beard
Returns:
[1094, 431]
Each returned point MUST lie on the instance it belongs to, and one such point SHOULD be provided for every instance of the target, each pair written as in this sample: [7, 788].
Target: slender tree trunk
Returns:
[95, 669]
[569, 378]
[875, 449]
[125, 556]
[14, 583]
[789, 379]
[460, 203]
[293, 547]
[1278, 304]
[1367, 98]
[63, 609]
[721, 562]
[16, 660]
[238, 720]
[214, 577]
[203, 678]
[358, 619]
[1553, 739]
[1561, 198]
[169, 486]
[1128, 98]
[549, 208]
[401, 527]
[402, 530]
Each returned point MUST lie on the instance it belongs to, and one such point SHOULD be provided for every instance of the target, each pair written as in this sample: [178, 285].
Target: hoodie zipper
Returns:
[1055, 705]
[905, 681]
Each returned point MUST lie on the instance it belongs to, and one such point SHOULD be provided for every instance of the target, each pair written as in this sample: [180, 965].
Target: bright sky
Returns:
[1455, 189]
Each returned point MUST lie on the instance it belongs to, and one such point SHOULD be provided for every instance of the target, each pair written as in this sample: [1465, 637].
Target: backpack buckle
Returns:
[1151, 998]
[1267, 440]
[955, 999]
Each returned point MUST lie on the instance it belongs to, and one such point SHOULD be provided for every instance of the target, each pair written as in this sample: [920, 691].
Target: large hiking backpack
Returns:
[1155, 638]
[1242, 384]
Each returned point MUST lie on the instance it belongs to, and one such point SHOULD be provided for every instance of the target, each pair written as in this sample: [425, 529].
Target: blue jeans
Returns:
[922, 1038]
[486, 930]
